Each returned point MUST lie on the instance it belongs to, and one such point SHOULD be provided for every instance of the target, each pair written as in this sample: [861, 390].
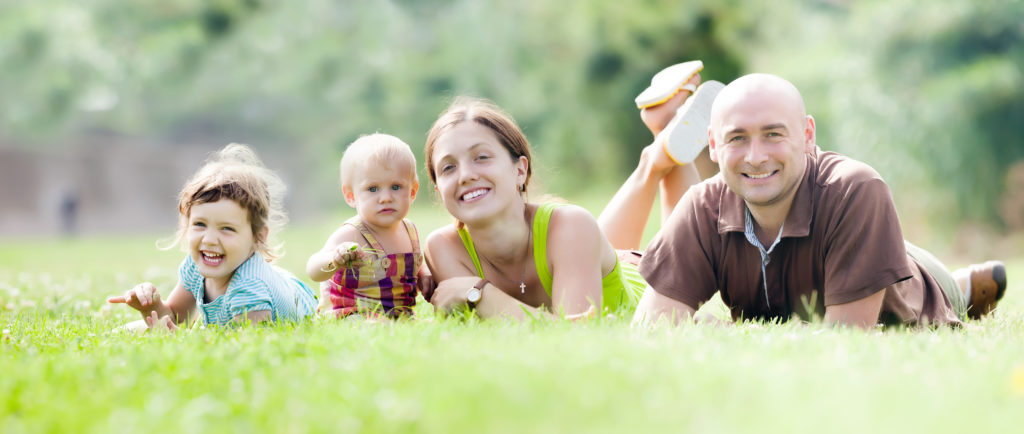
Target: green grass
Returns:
[62, 370]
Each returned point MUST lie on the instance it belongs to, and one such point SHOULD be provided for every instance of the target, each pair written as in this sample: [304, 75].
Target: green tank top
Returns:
[620, 289]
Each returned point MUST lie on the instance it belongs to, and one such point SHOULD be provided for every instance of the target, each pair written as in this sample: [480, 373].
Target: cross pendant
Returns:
[522, 287]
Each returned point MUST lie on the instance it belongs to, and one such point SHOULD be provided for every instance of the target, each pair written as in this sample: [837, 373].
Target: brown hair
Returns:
[237, 174]
[485, 113]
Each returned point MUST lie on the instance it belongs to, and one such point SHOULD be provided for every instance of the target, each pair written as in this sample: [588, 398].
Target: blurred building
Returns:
[106, 185]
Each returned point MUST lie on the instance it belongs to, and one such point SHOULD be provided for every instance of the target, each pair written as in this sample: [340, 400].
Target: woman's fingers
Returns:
[427, 285]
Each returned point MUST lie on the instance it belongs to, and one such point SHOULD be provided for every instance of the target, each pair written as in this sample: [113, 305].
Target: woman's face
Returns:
[476, 176]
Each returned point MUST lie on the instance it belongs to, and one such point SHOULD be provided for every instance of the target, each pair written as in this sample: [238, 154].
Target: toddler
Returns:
[227, 211]
[372, 264]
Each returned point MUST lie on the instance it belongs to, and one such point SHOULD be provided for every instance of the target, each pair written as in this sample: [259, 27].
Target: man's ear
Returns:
[350, 196]
[809, 137]
[712, 146]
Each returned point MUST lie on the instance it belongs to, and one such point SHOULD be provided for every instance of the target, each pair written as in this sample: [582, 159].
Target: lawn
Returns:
[62, 370]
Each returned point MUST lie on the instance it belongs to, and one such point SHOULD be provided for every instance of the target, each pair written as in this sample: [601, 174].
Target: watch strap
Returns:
[480, 288]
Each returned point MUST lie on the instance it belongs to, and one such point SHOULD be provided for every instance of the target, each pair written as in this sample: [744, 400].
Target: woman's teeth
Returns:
[474, 194]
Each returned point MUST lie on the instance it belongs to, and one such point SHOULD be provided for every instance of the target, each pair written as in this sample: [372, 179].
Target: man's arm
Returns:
[653, 307]
[861, 313]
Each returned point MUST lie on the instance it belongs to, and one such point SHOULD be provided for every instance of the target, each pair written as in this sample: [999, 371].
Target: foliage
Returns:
[928, 93]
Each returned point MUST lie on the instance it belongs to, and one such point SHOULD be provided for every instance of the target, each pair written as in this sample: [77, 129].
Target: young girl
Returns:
[507, 257]
[227, 213]
[372, 264]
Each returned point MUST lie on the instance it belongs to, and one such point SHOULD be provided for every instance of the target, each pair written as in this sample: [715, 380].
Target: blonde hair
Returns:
[376, 149]
[237, 174]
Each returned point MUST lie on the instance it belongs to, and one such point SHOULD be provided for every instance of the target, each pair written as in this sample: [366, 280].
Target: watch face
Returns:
[473, 295]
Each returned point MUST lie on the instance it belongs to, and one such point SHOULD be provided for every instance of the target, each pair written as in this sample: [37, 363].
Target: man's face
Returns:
[759, 136]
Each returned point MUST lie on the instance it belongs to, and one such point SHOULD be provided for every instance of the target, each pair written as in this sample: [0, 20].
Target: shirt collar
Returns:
[732, 209]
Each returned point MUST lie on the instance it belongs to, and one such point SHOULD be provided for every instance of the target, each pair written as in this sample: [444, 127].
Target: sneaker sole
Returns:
[687, 133]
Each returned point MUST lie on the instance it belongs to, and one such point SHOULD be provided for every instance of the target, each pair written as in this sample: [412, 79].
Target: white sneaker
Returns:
[667, 83]
[687, 133]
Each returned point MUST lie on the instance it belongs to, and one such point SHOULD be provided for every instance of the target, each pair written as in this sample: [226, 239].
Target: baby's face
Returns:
[382, 195]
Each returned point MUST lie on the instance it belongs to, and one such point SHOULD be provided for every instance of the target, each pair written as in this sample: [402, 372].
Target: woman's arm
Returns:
[454, 273]
[578, 254]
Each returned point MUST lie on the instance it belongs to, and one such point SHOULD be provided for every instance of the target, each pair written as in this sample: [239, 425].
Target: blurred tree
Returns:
[923, 91]
[928, 93]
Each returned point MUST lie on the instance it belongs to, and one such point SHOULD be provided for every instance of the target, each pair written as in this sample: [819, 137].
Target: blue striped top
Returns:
[256, 285]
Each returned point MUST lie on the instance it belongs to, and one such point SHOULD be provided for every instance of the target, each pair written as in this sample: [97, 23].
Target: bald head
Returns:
[758, 91]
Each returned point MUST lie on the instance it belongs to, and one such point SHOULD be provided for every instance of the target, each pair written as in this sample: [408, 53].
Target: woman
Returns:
[505, 256]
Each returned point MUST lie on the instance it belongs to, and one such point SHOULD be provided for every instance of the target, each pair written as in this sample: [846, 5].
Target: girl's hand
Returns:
[143, 298]
[161, 325]
[152, 321]
[348, 255]
[451, 293]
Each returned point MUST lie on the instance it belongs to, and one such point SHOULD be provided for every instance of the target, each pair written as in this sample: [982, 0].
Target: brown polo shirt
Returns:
[841, 242]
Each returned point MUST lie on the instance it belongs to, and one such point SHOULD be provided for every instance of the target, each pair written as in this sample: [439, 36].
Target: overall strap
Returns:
[370, 239]
[468, 242]
[540, 243]
[414, 236]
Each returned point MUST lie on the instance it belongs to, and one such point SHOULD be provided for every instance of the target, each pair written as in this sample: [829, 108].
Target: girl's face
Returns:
[476, 177]
[220, 238]
[382, 195]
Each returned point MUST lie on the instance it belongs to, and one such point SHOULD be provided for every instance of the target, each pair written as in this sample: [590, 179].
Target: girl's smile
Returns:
[220, 239]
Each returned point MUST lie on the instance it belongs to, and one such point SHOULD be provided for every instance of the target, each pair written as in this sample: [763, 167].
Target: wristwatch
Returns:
[474, 294]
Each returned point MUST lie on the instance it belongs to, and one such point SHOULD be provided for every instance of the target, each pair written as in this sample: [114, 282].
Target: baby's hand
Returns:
[348, 255]
[143, 297]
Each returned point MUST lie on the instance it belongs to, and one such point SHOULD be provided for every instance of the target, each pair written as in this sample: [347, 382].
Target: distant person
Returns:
[228, 211]
[676, 108]
[372, 265]
[69, 213]
[788, 230]
[506, 256]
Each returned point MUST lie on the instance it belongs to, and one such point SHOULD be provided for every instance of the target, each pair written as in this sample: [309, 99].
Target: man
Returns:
[788, 230]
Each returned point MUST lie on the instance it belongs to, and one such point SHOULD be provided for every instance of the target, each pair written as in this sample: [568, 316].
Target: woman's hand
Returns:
[425, 283]
[451, 293]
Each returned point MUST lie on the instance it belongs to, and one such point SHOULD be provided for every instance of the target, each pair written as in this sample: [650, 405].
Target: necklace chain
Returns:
[522, 275]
